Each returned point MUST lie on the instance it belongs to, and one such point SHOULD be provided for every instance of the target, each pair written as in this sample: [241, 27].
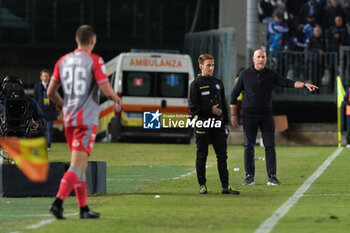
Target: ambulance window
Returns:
[173, 84]
[137, 84]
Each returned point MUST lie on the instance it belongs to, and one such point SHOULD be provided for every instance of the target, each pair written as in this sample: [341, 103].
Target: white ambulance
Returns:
[146, 82]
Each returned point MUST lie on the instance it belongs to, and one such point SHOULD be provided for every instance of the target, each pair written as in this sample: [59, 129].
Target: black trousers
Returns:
[266, 123]
[219, 140]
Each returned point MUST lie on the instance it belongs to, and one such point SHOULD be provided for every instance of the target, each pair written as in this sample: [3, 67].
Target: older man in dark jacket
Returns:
[257, 83]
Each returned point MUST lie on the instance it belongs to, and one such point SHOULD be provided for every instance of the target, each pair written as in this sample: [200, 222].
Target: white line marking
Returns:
[271, 222]
[46, 221]
[327, 195]
[41, 223]
[175, 178]
[189, 173]
[26, 215]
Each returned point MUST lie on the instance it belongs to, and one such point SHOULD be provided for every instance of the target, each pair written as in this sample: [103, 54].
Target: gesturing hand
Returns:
[311, 87]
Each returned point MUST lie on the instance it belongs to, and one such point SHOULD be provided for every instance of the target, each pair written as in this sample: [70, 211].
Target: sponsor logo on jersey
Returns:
[75, 143]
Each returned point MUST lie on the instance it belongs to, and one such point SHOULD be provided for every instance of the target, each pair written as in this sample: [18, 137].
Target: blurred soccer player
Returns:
[80, 73]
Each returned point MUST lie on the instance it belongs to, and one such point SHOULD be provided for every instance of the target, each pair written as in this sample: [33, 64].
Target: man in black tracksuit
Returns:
[207, 101]
[257, 83]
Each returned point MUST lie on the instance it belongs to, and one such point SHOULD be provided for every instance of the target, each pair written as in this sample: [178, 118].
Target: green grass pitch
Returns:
[136, 173]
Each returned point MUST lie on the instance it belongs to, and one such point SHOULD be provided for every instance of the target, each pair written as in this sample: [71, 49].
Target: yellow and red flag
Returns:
[29, 154]
[340, 97]
[340, 92]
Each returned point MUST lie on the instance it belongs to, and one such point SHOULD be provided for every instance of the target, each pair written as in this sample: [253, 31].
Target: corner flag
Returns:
[30, 156]
[340, 98]
[340, 92]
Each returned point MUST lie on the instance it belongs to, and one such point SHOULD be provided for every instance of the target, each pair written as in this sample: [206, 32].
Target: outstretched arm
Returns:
[309, 86]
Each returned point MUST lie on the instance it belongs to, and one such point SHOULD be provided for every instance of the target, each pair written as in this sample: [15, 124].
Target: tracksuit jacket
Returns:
[204, 93]
[258, 87]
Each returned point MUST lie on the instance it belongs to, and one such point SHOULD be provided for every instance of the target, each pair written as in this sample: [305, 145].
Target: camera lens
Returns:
[16, 109]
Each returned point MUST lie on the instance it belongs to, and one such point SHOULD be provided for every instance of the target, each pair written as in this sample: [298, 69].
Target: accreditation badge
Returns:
[46, 101]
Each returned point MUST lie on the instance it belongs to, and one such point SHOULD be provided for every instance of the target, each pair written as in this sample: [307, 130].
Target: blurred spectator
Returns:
[331, 12]
[295, 44]
[295, 29]
[316, 42]
[279, 5]
[275, 49]
[278, 27]
[310, 7]
[293, 63]
[308, 29]
[337, 35]
[346, 3]
[316, 46]
[265, 10]
[277, 43]
[293, 7]
[346, 7]
[323, 3]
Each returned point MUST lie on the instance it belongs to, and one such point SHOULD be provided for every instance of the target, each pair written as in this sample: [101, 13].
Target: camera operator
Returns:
[20, 115]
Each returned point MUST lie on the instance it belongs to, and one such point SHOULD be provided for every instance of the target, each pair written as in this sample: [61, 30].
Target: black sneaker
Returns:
[56, 211]
[229, 190]
[249, 180]
[273, 180]
[203, 189]
[89, 214]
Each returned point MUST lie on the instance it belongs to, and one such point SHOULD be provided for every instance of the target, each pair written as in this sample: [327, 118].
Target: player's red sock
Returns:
[67, 183]
[81, 193]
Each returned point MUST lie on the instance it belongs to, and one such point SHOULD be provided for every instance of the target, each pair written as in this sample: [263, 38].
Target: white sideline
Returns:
[189, 173]
[271, 222]
[46, 221]
[175, 178]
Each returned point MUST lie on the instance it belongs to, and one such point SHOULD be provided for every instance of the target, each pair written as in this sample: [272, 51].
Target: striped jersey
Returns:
[80, 73]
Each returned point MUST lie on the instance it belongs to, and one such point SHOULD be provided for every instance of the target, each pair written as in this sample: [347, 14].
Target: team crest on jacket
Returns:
[217, 86]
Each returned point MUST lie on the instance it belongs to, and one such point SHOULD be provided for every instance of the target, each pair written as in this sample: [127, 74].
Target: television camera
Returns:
[16, 118]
